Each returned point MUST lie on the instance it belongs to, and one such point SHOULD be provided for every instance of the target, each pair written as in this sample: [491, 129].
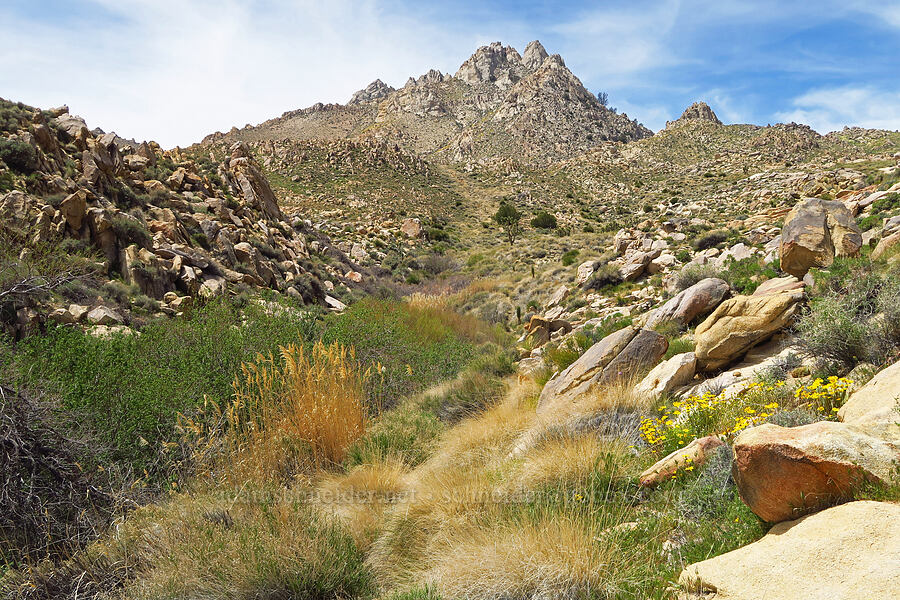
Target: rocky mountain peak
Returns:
[698, 111]
[374, 91]
[534, 55]
[495, 63]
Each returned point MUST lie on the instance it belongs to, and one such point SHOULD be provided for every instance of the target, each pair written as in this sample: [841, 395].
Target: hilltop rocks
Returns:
[739, 324]
[621, 354]
[495, 63]
[848, 552]
[534, 55]
[815, 231]
[374, 91]
[695, 301]
[250, 182]
[698, 111]
[783, 473]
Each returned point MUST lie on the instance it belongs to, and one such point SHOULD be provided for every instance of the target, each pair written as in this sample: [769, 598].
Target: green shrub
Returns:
[129, 389]
[569, 257]
[18, 155]
[855, 318]
[416, 347]
[605, 276]
[886, 203]
[710, 240]
[131, 230]
[678, 346]
[544, 220]
[691, 274]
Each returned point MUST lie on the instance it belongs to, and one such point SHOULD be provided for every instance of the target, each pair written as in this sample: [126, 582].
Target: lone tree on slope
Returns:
[509, 219]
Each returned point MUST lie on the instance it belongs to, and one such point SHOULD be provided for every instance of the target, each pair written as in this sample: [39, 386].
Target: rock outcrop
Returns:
[848, 552]
[619, 355]
[814, 233]
[783, 473]
[374, 91]
[668, 376]
[698, 111]
[739, 324]
[694, 302]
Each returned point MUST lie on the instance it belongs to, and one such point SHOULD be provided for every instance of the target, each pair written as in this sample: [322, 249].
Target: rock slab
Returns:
[848, 552]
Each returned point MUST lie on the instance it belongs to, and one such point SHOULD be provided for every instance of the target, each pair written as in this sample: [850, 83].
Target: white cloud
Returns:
[830, 109]
[176, 70]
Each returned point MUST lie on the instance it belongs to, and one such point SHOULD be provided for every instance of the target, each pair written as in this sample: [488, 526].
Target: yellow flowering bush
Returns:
[824, 396]
[722, 414]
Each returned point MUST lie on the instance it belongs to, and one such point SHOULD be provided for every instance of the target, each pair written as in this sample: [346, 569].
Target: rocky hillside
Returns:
[499, 104]
[110, 232]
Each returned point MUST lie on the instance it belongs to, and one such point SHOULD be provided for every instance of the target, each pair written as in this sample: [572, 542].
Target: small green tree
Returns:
[509, 219]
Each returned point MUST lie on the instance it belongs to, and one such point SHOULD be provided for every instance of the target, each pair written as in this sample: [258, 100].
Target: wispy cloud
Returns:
[830, 109]
[176, 70]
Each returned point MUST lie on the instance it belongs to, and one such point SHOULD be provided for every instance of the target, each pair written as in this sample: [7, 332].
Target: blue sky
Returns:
[175, 70]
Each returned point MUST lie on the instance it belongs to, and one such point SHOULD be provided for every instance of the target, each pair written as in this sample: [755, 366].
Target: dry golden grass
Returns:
[288, 415]
[360, 498]
[571, 460]
[260, 542]
[554, 557]
[616, 396]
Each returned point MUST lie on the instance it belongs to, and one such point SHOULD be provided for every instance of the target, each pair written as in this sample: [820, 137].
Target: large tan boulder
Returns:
[849, 552]
[668, 376]
[621, 354]
[252, 183]
[687, 305]
[778, 285]
[876, 405]
[74, 208]
[885, 244]
[815, 231]
[739, 324]
[783, 473]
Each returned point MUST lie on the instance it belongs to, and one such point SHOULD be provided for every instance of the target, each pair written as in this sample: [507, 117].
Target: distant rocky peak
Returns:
[534, 55]
[374, 91]
[495, 63]
[699, 111]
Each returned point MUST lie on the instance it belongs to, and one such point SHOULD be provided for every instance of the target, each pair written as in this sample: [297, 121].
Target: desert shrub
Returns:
[407, 433]
[710, 240]
[679, 345]
[856, 318]
[544, 220]
[569, 257]
[131, 231]
[745, 275]
[49, 506]
[692, 274]
[886, 203]
[129, 389]
[436, 234]
[435, 264]
[707, 414]
[564, 354]
[7, 181]
[415, 346]
[19, 156]
[605, 276]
